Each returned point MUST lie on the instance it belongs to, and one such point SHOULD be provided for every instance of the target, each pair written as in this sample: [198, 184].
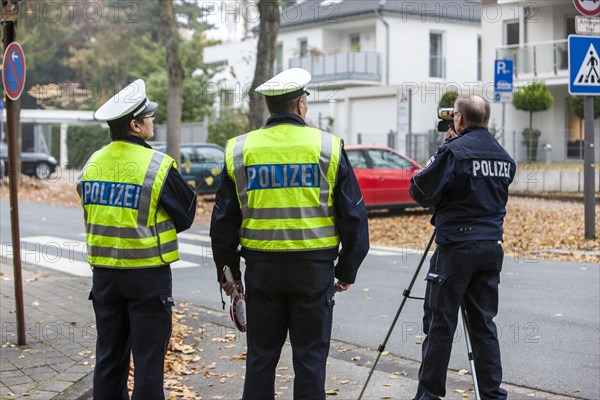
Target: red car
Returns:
[383, 175]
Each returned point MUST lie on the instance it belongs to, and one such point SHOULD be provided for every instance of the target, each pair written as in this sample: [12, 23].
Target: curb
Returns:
[557, 197]
[80, 390]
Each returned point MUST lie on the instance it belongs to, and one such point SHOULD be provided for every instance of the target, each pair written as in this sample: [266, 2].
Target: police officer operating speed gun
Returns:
[135, 201]
[289, 197]
[466, 182]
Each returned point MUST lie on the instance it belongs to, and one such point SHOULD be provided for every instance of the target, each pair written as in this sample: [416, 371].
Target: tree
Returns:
[267, 40]
[533, 97]
[577, 106]
[175, 72]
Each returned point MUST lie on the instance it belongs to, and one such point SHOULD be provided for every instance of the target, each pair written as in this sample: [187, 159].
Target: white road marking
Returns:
[68, 255]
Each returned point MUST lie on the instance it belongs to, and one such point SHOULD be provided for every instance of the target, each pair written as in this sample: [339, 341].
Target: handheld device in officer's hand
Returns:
[446, 116]
[237, 310]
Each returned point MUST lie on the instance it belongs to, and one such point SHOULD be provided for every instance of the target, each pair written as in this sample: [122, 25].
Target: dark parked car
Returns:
[201, 165]
[383, 175]
[39, 165]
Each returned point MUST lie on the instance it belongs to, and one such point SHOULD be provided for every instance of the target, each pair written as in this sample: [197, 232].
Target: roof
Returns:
[316, 12]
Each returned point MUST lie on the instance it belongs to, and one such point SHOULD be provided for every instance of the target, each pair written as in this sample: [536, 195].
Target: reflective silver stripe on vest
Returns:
[131, 254]
[324, 210]
[289, 213]
[289, 234]
[146, 195]
[324, 162]
[240, 172]
[129, 233]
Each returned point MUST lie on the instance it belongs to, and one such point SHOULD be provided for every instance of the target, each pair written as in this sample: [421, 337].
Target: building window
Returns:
[355, 42]
[479, 58]
[436, 55]
[278, 67]
[227, 98]
[511, 34]
[303, 45]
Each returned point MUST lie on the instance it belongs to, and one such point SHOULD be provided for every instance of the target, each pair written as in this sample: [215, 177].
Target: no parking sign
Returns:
[13, 70]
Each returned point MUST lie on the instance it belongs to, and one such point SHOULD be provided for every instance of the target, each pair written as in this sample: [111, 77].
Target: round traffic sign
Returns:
[590, 8]
[13, 70]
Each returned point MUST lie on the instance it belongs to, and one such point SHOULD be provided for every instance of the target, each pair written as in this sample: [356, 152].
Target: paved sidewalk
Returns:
[60, 333]
[58, 360]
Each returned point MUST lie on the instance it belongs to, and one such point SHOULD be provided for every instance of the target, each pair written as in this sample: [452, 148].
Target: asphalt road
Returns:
[549, 319]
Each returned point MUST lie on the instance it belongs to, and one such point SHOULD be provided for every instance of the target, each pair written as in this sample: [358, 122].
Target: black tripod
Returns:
[407, 295]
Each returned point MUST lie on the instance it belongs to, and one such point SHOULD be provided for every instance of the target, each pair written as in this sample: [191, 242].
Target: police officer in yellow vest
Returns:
[289, 197]
[135, 201]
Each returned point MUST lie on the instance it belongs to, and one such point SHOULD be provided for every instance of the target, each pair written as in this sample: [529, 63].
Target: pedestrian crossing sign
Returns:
[584, 65]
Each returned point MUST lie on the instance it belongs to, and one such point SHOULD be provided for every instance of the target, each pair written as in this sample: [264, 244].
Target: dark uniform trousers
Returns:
[469, 275]
[282, 296]
[133, 316]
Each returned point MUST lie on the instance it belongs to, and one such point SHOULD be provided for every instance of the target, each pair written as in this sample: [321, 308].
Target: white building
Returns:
[362, 54]
[534, 34]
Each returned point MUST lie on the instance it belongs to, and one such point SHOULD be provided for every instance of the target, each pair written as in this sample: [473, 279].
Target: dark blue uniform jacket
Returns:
[467, 183]
[350, 217]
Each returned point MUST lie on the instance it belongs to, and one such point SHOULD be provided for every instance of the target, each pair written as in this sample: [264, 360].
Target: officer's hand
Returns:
[451, 133]
[342, 286]
[228, 287]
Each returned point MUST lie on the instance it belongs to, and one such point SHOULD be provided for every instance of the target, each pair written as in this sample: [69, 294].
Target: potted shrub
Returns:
[533, 97]
[448, 99]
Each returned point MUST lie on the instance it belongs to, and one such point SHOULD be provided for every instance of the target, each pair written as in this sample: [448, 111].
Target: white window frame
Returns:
[506, 24]
[440, 58]
[300, 42]
[278, 63]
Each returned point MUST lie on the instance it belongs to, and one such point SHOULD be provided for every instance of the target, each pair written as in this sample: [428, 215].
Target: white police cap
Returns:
[286, 85]
[127, 104]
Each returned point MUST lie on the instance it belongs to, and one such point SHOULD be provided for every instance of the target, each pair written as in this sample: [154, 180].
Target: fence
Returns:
[340, 66]
[194, 132]
[419, 146]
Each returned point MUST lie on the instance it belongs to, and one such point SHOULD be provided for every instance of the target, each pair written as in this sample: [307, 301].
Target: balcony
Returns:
[546, 60]
[345, 68]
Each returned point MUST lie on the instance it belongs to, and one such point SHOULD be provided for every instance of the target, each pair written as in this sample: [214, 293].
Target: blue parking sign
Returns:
[584, 65]
[503, 80]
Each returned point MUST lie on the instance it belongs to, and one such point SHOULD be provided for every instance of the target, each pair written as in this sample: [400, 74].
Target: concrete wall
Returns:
[531, 179]
[409, 49]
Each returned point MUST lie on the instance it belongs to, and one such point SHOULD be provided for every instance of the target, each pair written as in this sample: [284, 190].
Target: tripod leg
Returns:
[406, 296]
[470, 351]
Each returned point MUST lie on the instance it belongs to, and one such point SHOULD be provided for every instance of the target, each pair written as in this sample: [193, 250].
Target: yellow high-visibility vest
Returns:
[284, 178]
[119, 189]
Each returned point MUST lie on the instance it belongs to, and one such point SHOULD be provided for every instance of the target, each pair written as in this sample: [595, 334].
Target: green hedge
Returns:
[230, 125]
[83, 141]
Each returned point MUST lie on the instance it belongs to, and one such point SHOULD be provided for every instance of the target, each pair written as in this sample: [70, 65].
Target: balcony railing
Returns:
[344, 66]
[537, 58]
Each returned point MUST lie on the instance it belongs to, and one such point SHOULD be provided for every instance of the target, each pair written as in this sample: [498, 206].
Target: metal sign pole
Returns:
[584, 76]
[503, 123]
[588, 170]
[10, 11]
